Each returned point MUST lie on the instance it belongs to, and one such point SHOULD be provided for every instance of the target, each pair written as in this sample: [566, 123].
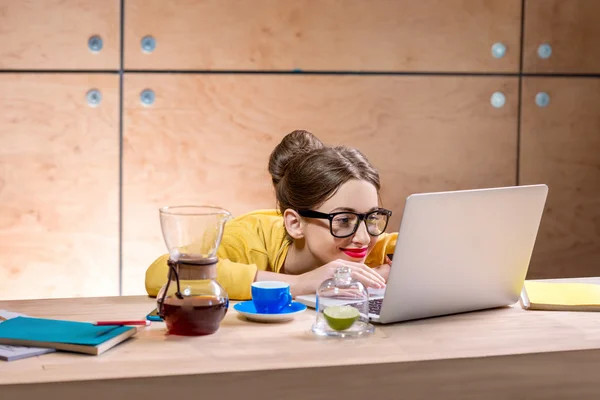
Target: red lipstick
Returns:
[356, 253]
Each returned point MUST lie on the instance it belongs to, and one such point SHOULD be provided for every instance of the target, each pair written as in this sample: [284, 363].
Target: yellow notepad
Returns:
[560, 296]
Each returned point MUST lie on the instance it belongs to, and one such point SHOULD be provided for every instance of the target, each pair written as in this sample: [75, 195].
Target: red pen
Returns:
[132, 322]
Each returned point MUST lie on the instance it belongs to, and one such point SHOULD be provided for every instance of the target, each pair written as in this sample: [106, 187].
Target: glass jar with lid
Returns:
[342, 307]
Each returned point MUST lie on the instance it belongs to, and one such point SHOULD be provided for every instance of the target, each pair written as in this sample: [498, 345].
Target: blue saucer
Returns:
[248, 310]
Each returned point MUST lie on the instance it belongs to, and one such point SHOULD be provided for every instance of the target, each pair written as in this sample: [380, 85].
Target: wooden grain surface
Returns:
[571, 27]
[53, 34]
[503, 353]
[207, 139]
[348, 35]
[560, 146]
[59, 182]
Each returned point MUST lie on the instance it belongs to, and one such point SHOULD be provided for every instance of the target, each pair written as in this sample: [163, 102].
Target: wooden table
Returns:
[495, 354]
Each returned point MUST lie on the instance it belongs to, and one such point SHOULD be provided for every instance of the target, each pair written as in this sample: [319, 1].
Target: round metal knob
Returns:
[148, 44]
[498, 50]
[95, 43]
[147, 97]
[93, 97]
[542, 99]
[544, 51]
[498, 100]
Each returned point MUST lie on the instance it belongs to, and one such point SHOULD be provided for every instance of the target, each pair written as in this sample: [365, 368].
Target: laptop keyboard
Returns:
[375, 306]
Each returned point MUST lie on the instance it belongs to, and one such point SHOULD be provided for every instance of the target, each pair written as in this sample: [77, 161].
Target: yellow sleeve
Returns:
[235, 278]
[156, 275]
[386, 244]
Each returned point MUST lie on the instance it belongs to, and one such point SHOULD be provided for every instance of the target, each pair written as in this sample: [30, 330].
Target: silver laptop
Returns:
[458, 251]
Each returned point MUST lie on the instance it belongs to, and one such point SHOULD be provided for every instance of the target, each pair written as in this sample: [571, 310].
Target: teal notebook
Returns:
[80, 337]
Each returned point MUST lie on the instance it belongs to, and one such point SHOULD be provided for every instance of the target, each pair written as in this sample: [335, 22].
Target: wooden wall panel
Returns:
[570, 27]
[380, 35]
[53, 34]
[560, 146]
[59, 182]
[207, 139]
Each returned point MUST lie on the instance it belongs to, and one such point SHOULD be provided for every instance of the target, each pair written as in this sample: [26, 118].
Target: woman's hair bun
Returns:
[295, 144]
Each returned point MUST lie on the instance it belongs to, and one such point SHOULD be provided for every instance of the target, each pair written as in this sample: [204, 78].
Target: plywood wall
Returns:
[338, 35]
[215, 147]
[97, 130]
[54, 34]
[560, 145]
[59, 185]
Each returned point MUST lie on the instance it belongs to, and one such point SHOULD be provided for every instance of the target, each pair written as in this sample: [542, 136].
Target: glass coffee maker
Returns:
[192, 302]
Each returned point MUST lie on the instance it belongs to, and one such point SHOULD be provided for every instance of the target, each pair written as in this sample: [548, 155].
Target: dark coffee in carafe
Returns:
[194, 315]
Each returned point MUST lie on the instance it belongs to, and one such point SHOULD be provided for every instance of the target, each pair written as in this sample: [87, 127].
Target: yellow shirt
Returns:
[251, 242]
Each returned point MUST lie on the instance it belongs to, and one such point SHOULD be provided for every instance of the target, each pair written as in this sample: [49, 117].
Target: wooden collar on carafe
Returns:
[198, 269]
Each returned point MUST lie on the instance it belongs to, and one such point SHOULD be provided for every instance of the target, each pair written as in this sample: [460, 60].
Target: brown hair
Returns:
[306, 173]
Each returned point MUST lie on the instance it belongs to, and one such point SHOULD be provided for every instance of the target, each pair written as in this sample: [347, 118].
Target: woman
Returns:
[329, 215]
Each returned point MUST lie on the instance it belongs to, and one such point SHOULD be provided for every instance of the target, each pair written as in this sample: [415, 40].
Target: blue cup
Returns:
[271, 297]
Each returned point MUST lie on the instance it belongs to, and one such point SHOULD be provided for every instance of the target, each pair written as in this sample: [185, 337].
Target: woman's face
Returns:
[357, 196]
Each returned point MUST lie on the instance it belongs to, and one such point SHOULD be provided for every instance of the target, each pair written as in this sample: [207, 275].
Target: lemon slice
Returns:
[340, 318]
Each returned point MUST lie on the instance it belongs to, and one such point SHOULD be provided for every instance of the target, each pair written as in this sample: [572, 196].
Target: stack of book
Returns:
[22, 336]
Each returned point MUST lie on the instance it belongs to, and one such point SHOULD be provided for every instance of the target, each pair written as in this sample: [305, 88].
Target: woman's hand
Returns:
[309, 282]
[384, 269]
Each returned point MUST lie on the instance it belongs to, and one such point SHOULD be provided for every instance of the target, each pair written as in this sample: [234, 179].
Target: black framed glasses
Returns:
[345, 223]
